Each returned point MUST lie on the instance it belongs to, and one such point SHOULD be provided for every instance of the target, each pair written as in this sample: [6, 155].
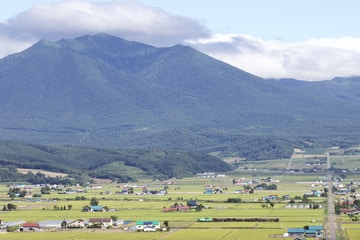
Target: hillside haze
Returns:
[105, 91]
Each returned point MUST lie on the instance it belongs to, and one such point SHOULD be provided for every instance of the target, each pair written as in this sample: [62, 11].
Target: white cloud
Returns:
[127, 19]
[316, 59]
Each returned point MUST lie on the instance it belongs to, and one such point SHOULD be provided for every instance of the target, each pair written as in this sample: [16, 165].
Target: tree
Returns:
[70, 207]
[166, 224]
[337, 208]
[114, 218]
[11, 207]
[94, 202]
[272, 204]
[64, 224]
[199, 207]
[45, 190]
[130, 190]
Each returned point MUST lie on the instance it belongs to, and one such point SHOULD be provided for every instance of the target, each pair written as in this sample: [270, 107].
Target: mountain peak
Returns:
[95, 88]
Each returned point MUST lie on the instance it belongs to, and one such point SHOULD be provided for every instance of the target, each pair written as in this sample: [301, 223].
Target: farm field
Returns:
[184, 225]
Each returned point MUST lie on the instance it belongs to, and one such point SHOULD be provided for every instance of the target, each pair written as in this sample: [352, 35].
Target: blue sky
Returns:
[307, 39]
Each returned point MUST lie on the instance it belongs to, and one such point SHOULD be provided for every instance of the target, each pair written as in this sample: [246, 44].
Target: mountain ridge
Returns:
[102, 90]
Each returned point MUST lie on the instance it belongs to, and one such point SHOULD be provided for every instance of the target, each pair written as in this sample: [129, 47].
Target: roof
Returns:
[316, 227]
[78, 220]
[95, 220]
[96, 208]
[311, 231]
[147, 222]
[31, 225]
[50, 223]
[295, 230]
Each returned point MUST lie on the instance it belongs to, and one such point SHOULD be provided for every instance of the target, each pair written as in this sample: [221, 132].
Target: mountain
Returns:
[102, 90]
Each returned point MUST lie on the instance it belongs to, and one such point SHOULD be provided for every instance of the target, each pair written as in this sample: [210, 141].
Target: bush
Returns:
[234, 200]
[12, 228]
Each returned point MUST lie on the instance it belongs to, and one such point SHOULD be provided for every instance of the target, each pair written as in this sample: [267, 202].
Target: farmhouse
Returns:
[76, 224]
[141, 224]
[93, 209]
[353, 210]
[100, 222]
[271, 197]
[314, 231]
[310, 231]
[205, 175]
[346, 201]
[191, 203]
[50, 224]
[30, 227]
[180, 208]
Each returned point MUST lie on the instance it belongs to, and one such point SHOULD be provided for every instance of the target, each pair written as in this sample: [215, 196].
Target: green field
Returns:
[184, 225]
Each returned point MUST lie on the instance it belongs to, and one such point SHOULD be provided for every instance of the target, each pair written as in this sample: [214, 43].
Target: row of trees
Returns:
[69, 207]
[10, 174]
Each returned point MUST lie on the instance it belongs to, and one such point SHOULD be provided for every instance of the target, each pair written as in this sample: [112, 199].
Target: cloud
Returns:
[315, 59]
[127, 19]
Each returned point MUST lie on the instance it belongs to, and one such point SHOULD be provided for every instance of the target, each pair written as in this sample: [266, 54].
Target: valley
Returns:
[295, 194]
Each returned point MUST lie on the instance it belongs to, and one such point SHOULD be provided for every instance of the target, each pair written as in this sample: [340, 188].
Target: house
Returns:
[180, 208]
[30, 227]
[206, 219]
[140, 225]
[346, 201]
[100, 222]
[191, 203]
[93, 209]
[349, 211]
[295, 232]
[205, 175]
[286, 197]
[50, 224]
[310, 231]
[76, 224]
[314, 231]
[208, 191]
[271, 197]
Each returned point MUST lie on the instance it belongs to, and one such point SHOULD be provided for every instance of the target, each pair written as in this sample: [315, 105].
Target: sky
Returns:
[304, 39]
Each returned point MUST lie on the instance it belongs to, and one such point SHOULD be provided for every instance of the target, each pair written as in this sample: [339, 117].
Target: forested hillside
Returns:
[116, 164]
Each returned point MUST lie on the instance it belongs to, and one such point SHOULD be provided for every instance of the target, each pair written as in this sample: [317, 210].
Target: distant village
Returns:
[32, 193]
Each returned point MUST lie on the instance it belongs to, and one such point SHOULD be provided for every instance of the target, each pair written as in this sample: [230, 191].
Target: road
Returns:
[331, 224]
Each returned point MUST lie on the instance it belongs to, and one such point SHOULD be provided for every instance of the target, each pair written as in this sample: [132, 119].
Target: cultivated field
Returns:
[184, 225]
